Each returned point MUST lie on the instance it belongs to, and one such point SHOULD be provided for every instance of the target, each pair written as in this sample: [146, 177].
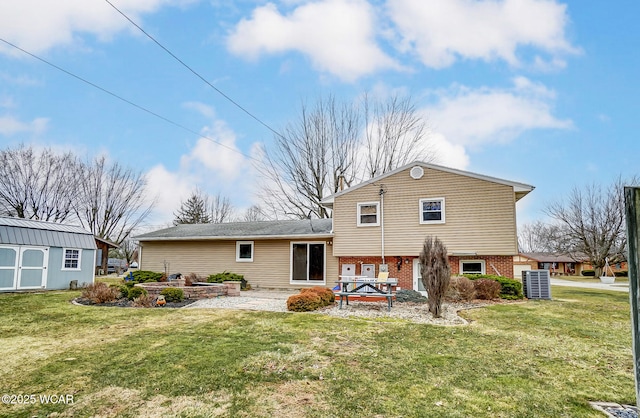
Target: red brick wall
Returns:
[503, 263]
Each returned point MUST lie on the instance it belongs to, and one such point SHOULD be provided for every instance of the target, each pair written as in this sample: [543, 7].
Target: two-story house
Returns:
[377, 225]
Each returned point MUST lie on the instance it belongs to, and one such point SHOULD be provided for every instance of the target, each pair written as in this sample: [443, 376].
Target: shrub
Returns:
[123, 289]
[144, 276]
[591, 273]
[436, 273]
[136, 292]
[190, 279]
[461, 289]
[509, 288]
[172, 294]
[621, 273]
[406, 295]
[487, 289]
[304, 302]
[225, 276]
[144, 301]
[326, 295]
[100, 293]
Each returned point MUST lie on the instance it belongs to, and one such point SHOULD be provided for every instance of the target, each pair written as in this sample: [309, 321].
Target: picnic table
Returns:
[364, 286]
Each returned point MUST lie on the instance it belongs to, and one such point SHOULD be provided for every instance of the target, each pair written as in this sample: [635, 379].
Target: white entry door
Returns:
[32, 270]
[9, 267]
[23, 267]
[417, 279]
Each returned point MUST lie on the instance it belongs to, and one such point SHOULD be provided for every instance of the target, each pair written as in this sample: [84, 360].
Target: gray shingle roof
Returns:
[231, 230]
[18, 231]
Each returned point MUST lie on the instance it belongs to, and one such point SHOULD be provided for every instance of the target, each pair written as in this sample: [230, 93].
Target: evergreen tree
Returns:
[195, 210]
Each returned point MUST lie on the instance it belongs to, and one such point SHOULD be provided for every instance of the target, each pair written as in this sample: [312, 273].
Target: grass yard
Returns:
[537, 358]
[588, 279]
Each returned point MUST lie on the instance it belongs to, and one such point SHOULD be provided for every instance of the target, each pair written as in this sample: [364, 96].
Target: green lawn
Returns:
[588, 279]
[537, 358]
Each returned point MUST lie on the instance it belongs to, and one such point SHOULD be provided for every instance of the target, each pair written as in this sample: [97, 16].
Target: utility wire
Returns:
[129, 102]
[195, 72]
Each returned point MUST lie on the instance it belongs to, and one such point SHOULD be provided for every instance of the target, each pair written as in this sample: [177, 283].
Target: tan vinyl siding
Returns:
[480, 216]
[270, 267]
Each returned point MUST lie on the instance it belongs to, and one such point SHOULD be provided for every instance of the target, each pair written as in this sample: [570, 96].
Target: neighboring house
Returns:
[557, 264]
[377, 225]
[44, 255]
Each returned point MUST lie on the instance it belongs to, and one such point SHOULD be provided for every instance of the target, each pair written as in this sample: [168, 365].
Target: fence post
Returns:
[632, 212]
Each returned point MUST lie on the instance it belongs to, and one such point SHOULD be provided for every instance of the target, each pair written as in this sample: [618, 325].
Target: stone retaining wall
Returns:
[194, 292]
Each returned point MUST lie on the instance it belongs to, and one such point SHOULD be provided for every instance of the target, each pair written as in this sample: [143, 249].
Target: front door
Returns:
[417, 278]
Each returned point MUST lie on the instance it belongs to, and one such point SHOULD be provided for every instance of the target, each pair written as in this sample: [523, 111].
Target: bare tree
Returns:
[592, 223]
[221, 209]
[112, 200]
[36, 185]
[126, 250]
[395, 135]
[254, 213]
[538, 237]
[331, 145]
[194, 210]
[436, 273]
[311, 158]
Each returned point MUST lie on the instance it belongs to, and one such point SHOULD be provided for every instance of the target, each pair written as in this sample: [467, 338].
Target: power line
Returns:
[129, 102]
[195, 72]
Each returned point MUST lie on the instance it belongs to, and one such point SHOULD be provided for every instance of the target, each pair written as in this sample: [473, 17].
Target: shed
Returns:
[44, 255]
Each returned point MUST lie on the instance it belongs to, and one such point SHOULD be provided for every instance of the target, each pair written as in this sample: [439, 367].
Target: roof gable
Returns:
[520, 189]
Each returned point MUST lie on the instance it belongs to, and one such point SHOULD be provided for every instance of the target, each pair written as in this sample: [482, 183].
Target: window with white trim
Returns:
[71, 260]
[432, 211]
[308, 261]
[244, 251]
[369, 214]
[472, 267]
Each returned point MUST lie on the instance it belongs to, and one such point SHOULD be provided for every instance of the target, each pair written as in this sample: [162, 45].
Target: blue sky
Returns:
[538, 91]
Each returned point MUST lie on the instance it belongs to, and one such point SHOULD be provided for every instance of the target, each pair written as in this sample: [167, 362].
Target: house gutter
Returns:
[232, 238]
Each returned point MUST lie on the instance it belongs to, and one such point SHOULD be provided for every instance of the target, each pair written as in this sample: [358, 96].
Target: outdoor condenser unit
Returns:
[536, 284]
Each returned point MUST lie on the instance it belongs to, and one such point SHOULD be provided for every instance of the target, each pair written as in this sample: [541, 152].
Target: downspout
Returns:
[382, 192]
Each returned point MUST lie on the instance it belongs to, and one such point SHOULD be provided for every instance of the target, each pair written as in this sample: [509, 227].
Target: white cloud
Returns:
[37, 25]
[337, 35]
[473, 117]
[10, 125]
[449, 154]
[209, 166]
[443, 31]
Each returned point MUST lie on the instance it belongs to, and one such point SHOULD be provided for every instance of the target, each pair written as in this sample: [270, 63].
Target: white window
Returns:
[244, 251]
[472, 267]
[71, 260]
[368, 214]
[432, 211]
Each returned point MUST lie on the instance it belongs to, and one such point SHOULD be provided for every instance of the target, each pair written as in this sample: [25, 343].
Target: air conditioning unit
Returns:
[536, 284]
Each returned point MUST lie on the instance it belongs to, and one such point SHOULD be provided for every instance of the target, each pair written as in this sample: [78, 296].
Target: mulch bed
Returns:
[126, 303]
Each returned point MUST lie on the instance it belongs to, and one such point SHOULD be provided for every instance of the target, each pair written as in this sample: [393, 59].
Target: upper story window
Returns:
[432, 211]
[71, 259]
[369, 214]
[244, 251]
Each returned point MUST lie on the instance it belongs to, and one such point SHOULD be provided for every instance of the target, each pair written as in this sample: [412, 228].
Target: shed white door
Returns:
[32, 272]
[23, 267]
[9, 267]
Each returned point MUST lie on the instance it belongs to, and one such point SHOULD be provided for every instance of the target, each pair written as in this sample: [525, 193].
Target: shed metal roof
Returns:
[243, 230]
[18, 231]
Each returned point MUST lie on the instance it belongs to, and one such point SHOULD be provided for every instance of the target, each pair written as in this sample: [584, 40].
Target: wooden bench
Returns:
[363, 295]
